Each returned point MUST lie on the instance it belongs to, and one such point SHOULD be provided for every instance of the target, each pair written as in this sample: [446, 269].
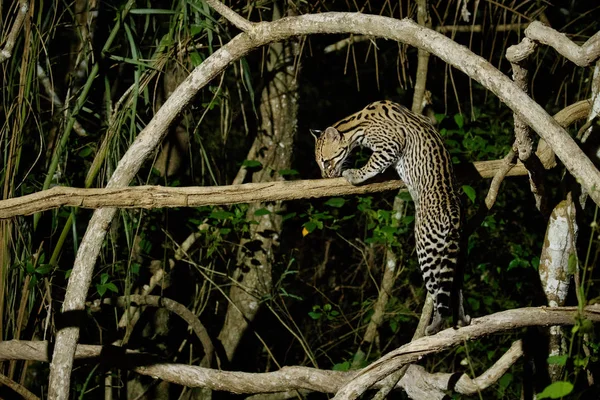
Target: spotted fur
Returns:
[408, 141]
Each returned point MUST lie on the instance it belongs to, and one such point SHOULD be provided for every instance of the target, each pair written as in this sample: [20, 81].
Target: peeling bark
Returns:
[557, 254]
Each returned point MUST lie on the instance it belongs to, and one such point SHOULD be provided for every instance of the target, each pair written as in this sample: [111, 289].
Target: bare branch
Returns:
[582, 56]
[423, 19]
[499, 322]
[289, 378]
[20, 389]
[174, 307]
[196, 196]
[6, 52]
[508, 163]
[236, 19]
[260, 34]
[442, 29]
[524, 137]
[466, 385]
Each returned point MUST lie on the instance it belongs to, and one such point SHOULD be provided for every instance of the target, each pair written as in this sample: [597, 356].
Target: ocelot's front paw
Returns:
[352, 176]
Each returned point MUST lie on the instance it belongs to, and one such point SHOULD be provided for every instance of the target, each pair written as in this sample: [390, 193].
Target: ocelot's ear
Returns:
[332, 134]
[315, 133]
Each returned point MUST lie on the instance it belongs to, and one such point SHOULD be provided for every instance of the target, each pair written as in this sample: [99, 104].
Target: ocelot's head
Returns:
[330, 152]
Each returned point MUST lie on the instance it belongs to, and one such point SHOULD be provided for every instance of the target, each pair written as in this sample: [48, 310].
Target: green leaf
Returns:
[86, 151]
[315, 315]
[470, 192]
[261, 211]
[288, 216]
[556, 390]
[460, 120]
[505, 381]
[288, 172]
[408, 219]
[572, 264]
[405, 196]
[345, 366]
[196, 58]
[220, 215]
[43, 269]
[101, 289]
[558, 360]
[394, 325]
[310, 226]
[148, 11]
[336, 202]
[251, 164]
[112, 287]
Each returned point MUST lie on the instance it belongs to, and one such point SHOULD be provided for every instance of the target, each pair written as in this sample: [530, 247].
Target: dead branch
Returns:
[20, 389]
[417, 382]
[196, 196]
[581, 55]
[240, 22]
[518, 56]
[289, 378]
[442, 29]
[258, 35]
[23, 9]
[174, 307]
[495, 323]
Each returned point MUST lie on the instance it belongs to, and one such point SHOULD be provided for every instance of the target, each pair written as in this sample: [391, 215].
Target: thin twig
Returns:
[6, 52]
[233, 17]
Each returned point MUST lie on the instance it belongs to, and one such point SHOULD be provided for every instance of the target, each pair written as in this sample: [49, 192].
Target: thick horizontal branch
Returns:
[160, 196]
[290, 378]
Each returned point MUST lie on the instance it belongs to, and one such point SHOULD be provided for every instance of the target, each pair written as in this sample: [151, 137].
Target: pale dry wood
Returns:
[195, 196]
[240, 22]
[262, 33]
[581, 55]
[22, 10]
[480, 327]
[339, 45]
[289, 378]
[524, 136]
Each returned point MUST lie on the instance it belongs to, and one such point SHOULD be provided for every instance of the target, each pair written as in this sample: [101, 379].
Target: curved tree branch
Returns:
[174, 307]
[417, 382]
[581, 55]
[260, 34]
[480, 327]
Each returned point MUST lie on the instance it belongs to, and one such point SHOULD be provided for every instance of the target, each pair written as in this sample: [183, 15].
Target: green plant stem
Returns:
[78, 106]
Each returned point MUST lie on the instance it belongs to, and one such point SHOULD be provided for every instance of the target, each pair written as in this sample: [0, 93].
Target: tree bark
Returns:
[258, 35]
[274, 147]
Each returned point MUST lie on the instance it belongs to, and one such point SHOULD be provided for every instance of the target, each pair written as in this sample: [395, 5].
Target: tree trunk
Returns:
[273, 149]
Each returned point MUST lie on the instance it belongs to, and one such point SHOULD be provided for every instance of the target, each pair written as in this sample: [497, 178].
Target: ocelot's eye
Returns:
[327, 164]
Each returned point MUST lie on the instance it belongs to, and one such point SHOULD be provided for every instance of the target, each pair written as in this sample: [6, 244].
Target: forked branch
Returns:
[258, 35]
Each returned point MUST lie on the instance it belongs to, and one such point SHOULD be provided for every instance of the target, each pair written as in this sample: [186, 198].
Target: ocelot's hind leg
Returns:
[436, 323]
[463, 319]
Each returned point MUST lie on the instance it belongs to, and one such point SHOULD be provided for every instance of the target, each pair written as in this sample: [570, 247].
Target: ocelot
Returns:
[410, 143]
